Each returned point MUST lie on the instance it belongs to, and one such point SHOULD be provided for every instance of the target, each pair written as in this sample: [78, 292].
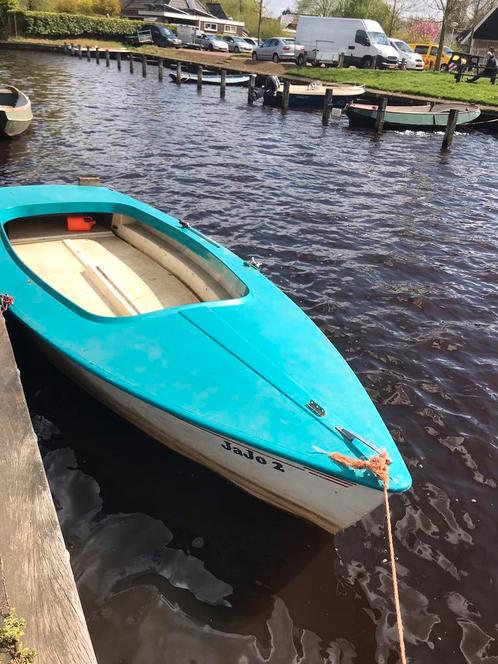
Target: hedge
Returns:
[50, 24]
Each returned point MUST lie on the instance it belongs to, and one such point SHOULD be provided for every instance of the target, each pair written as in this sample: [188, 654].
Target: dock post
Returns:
[250, 92]
[130, 59]
[118, 61]
[450, 130]
[88, 56]
[199, 78]
[79, 51]
[144, 66]
[178, 72]
[107, 58]
[374, 62]
[379, 118]
[223, 83]
[285, 96]
[340, 61]
[36, 576]
[327, 106]
[97, 55]
[160, 70]
[71, 49]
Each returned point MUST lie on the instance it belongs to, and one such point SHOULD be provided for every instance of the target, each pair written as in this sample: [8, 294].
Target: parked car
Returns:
[211, 43]
[429, 54]
[238, 45]
[162, 35]
[251, 40]
[280, 48]
[413, 60]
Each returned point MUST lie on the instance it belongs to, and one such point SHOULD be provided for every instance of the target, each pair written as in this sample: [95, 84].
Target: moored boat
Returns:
[312, 95]
[15, 111]
[211, 78]
[195, 346]
[420, 117]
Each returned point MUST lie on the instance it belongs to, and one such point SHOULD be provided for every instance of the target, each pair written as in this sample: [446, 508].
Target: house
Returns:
[484, 35]
[288, 21]
[209, 18]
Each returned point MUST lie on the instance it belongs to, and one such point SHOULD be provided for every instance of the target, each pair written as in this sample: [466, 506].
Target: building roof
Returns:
[490, 17]
[216, 9]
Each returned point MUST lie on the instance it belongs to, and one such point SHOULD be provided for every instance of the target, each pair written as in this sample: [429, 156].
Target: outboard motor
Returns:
[272, 84]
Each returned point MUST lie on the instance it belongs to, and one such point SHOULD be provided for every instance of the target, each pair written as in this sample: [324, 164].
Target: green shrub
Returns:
[6, 6]
[49, 24]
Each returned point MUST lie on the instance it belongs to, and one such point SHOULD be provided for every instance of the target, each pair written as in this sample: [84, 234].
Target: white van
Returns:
[361, 40]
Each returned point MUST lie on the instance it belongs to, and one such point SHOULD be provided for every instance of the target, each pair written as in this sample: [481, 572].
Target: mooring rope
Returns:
[379, 465]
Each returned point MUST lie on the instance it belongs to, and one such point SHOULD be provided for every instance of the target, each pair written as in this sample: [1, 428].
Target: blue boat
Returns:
[194, 346]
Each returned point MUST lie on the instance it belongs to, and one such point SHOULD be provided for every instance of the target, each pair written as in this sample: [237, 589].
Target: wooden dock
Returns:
[35, 574]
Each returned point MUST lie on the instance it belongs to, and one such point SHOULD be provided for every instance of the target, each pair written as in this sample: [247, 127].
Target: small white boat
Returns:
[15, 111]
[311, 95]
[211, 78]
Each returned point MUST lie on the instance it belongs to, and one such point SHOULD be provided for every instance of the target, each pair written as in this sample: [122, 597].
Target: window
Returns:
[378, 38]
[434, 50]
[421, 49]
[361, 38]
[212, 27]
[230, 28]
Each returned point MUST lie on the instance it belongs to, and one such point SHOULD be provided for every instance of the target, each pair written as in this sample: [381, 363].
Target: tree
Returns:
[376, 10]
[318, 7]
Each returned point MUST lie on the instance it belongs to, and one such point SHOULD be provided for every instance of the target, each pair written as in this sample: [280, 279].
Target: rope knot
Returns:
[378, 465]
[5, 301]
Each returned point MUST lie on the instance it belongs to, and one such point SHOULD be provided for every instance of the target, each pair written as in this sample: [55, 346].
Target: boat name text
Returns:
[249, 454]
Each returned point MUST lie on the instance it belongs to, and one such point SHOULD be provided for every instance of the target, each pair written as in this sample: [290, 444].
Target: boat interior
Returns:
[115, 265]
[8, 97]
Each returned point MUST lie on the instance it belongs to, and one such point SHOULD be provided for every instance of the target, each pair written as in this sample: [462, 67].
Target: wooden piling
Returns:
[223, 83]
[250, 91]
[144, 66]
[340, 61]
[160, 69]
[379, 118]
[71, 48]
[199, 78]
[79, 51]
[130, 59]
[374, 62]
[37, 576]
[285, 96]
[107, 58]
[327, 106]
[450, 130]
[118, 60]
[178, 72]
[97, 55]
[88, 55]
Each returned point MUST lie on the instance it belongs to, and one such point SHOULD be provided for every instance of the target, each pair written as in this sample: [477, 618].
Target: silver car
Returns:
[280, 48]
[238, 45]
[212, 43]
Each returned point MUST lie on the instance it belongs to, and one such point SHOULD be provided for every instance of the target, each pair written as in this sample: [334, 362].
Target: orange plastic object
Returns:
[80, 223]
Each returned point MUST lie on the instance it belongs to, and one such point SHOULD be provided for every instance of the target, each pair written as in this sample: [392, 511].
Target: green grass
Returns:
[423, 83]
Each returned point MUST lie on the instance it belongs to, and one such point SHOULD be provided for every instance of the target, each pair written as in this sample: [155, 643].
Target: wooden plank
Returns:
[38, 577]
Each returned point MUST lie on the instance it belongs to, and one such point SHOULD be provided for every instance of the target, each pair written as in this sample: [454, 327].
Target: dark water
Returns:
[392, 249]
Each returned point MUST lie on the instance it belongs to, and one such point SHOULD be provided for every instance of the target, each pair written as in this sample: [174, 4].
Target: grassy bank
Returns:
[422, 83]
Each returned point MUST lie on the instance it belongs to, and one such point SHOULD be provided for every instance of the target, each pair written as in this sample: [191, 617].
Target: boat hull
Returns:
[307, 101]
[15, 120]
[329, 502]
[402, 121]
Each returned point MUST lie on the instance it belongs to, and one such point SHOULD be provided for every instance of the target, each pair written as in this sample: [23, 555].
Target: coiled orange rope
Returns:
[379, 465]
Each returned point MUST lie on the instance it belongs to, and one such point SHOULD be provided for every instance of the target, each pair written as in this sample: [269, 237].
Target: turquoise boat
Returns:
[195, 346]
